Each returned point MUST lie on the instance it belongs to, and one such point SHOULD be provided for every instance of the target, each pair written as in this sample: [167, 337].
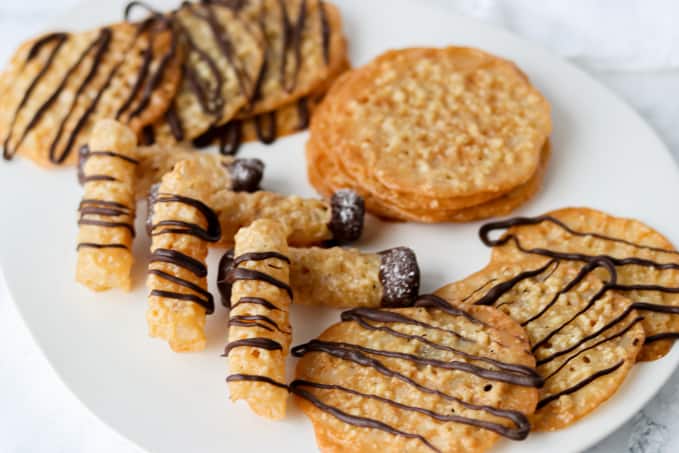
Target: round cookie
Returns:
[326, 178]
[323, 138]
[430, 378]
[60, 84]
[585, 336]
[446, 123]
[646, 262]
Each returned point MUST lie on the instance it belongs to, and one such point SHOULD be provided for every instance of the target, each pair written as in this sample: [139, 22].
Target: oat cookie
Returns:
[62, 83]
[647, 263]
[450, 122]
[181, 225]
[107, 208]
[585, 336]
[345, 278]
[259, 326]
[224, 57]
[431, 378]
[240, 175]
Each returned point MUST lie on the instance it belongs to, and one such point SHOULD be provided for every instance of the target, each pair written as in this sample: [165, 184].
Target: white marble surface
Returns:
[39, 414]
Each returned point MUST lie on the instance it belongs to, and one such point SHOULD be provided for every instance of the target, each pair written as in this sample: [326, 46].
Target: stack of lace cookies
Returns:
[432, 135]
[209, 72]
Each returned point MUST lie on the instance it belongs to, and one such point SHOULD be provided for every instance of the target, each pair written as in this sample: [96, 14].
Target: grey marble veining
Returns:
[38, 414]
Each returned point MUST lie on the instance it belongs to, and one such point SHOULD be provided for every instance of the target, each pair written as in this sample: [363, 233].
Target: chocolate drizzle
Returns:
[498, 290]
[90, 63]
[487, 229]
[231, 273]
[84, 154]
[368, 357]
[229, 136]
[253, 378]
[212, 233]
[103, 213]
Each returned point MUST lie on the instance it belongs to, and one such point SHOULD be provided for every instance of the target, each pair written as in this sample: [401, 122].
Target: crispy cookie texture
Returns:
[345, 278]
[107, 208]
[427, 378]
[451, 122]
[60, 84]
[326, 177]
[304, 48]
[585, 336]
[224, 57]
[224, 172]
[646, 262]
[307, 221]
[259, 324]
[181, 226]
[267, 127]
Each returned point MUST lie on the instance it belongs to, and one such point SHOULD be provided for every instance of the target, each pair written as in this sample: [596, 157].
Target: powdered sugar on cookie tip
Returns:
[400, 277]
[348, 212]
[246, 174]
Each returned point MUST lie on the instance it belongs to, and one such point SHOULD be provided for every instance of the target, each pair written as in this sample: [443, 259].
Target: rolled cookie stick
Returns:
[259, 326]
[239, 175]
[345, 278]
[182, 226]
[307, 221]
[107, 208]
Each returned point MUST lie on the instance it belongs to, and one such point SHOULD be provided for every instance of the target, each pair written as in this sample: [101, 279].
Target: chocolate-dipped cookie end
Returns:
[400, 277]
[246, 174]
[348, 214]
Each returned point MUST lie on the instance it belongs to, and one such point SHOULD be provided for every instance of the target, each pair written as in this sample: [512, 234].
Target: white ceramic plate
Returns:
[604, 157]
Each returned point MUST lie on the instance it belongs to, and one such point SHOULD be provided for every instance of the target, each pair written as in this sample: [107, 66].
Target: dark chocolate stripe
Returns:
[213, 231]
[101, 50]
[260, 343]
[499, 290]
[303, 113]
[113, 154]
[255, 301]
[45, 106]
[586, 270]
[355, 355]
[251, 321]
[325, 31]
[394, 317]
[432, 301]
[105, 224]
[266, 127]
[154, 81]
[622, 333]
[527, 375]
[91, 245]
[259, 256]
[179, 259]
[59, 39]
[253, 378]
[237, 274]
[587, 338]
[545, 401]
[354, 420]
[436, 416]
[206, 301]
